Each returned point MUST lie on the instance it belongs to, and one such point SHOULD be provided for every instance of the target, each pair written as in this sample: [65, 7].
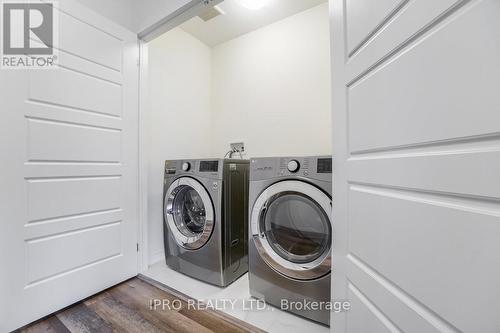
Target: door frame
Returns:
[339, 137]
[144, 107]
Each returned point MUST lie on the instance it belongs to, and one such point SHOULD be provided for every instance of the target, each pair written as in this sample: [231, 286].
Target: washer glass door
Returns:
[292, 230]
[189, 213]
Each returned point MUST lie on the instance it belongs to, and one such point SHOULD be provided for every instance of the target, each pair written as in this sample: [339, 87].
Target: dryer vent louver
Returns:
[211, 13]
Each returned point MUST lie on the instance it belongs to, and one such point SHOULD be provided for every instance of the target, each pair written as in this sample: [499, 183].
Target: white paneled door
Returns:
[417, 165]
[69, 159]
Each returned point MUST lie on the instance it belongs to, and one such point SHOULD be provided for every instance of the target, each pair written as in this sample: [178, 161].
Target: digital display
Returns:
[324, 165]
[209, 166]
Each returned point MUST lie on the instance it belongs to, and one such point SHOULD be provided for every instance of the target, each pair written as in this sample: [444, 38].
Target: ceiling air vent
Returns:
[211, 13]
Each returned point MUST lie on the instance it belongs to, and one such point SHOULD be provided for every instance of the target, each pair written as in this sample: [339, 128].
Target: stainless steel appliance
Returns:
[205, 218]
[291, 232]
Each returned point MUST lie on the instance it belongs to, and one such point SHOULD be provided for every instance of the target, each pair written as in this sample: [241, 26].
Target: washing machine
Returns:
[290, 234]
[206, 218]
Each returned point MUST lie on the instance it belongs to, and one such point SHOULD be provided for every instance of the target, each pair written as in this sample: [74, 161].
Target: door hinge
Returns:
[137, 247]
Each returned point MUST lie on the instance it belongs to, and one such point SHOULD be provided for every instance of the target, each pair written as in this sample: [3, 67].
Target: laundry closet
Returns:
[261, 77]
[257, 76]
[144, 103]
[191, 100]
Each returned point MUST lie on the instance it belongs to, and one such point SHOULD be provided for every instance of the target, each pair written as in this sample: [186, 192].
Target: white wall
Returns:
[179, 118]
[271, 88]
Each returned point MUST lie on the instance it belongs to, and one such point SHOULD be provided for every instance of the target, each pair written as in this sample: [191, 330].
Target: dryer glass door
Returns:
[189, 213]
[296, 227]
[292, 230]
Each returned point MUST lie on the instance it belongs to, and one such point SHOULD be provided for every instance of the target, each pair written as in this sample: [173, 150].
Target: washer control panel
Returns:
[212, 169]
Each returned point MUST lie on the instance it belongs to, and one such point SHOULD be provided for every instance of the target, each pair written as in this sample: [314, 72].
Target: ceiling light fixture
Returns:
[254, 4]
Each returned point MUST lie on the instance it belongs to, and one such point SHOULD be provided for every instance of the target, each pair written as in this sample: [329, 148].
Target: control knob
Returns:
[293, 166]
[186, 166]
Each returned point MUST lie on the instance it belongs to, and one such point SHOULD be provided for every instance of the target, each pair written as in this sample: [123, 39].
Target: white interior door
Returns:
[417, 157]
[69, 159]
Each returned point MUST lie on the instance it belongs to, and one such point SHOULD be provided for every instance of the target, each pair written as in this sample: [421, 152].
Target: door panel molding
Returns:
[69, 146]
[416, 147]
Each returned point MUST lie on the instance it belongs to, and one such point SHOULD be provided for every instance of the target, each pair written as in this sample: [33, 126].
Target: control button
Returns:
[215, 185]
[293, 166]
[186, 166]
[306, 173]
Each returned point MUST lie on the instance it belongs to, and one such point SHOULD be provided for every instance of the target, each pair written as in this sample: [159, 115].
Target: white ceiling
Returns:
[239, 20]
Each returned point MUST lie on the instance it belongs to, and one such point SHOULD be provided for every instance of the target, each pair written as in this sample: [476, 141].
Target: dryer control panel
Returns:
[319, 167]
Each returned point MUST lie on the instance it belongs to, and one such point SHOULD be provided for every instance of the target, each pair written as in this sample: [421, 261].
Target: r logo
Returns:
[28, 29]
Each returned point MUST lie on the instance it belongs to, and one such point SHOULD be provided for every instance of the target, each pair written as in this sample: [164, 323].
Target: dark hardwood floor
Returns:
[126, 308]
